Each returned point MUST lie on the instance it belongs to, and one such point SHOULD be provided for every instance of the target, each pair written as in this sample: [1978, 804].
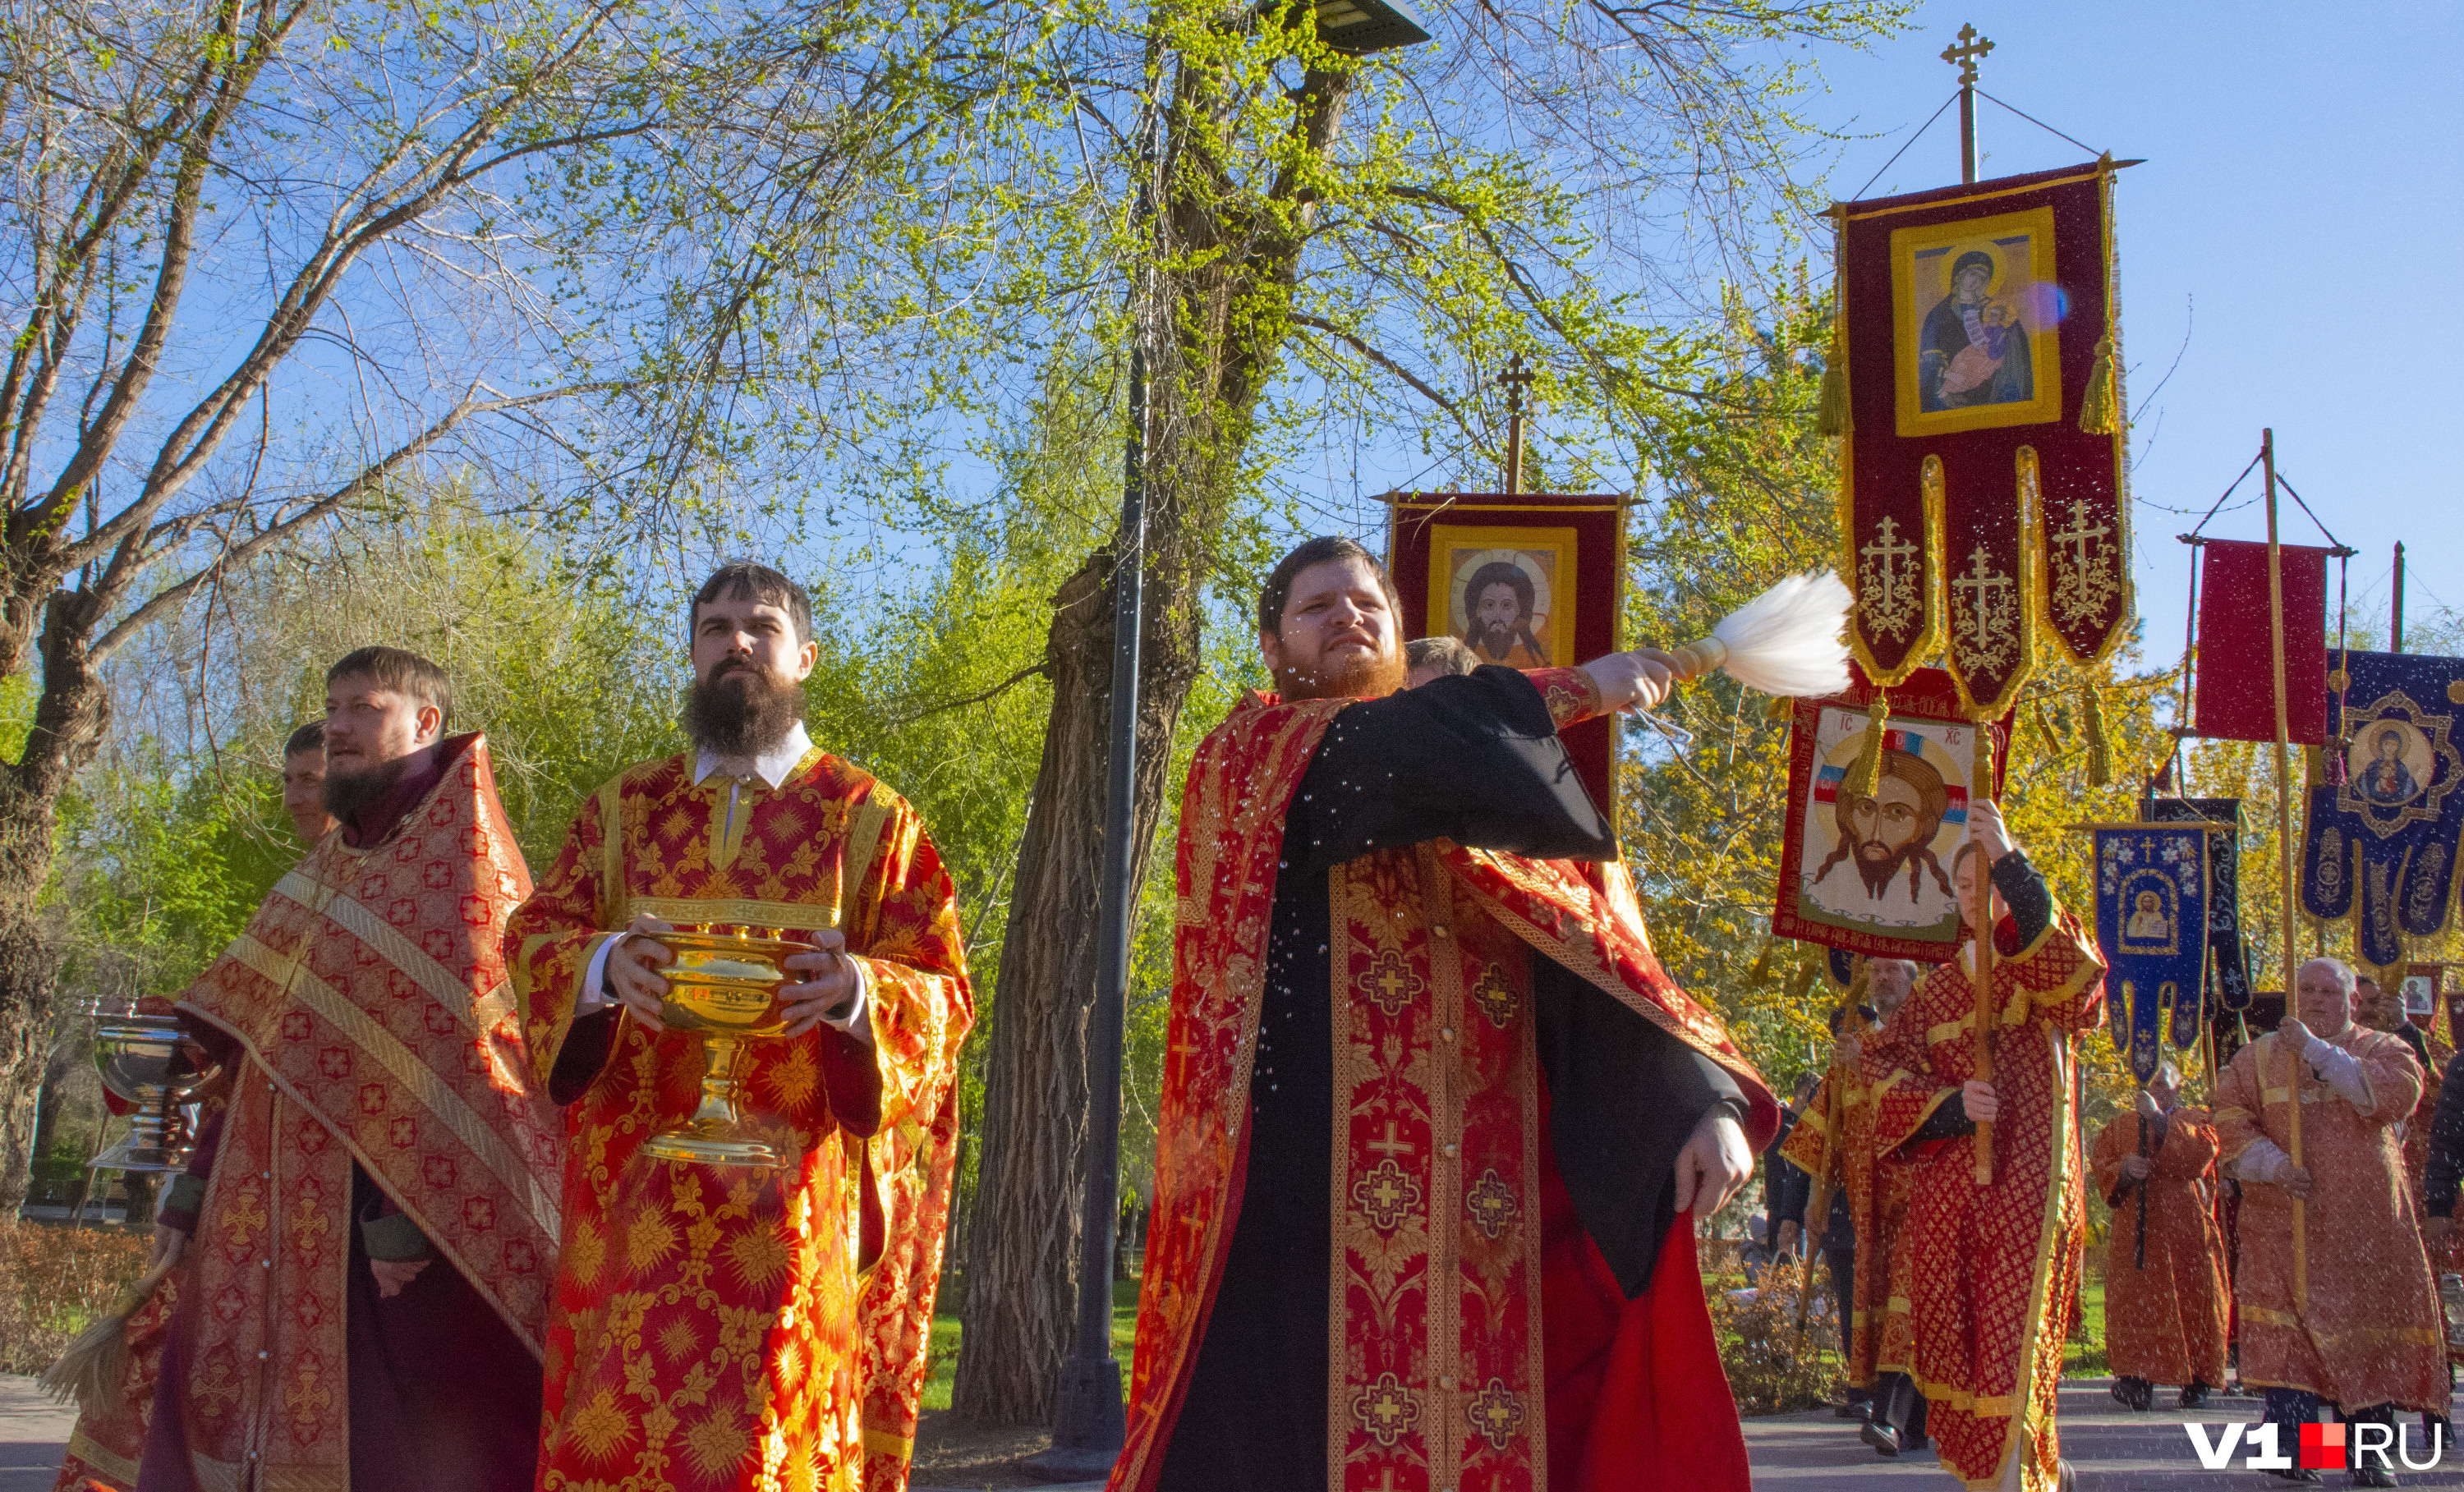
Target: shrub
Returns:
[1770, 1369]
[54, 1280]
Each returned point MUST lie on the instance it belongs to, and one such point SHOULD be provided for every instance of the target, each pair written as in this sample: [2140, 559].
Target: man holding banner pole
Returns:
[2361, 1336]
[1990, 1263]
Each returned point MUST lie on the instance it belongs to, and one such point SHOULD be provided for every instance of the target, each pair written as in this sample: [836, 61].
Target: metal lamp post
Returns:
[1088, 1420]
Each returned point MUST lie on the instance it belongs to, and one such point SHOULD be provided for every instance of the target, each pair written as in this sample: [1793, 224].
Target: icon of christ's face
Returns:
[1889, 829]
[1495, 619]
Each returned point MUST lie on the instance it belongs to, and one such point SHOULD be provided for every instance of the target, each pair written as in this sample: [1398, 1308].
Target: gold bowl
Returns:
[724, 990]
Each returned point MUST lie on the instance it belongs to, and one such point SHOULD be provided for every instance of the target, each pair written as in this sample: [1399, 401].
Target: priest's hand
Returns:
[1847, 1051]
[2295, 1179]
[168, 1245]
[1633, 680]
[1977, 1101]
[1714, 1163]
[392, 1274]
[830, 988]
[632, 969]
[2135, 1168]
[1986, 827]
[2293, 1033]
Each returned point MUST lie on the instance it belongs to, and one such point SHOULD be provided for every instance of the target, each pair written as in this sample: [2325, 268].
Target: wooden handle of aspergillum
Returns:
[1700, 657]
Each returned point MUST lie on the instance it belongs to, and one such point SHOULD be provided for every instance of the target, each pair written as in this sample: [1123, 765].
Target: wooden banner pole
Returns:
[2285, 951]
[1980, 779]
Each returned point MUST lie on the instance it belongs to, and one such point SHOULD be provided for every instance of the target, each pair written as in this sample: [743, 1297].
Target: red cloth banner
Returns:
[2236, 695]
[1982, 486]
[1534, 580]
[1872, 875]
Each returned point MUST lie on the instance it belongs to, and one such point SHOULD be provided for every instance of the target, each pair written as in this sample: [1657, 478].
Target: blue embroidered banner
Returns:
[2229, 968]
[2151, 921]
[2381, 841]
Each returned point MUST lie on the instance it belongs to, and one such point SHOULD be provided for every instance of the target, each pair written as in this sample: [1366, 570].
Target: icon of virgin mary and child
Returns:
[1973, 350]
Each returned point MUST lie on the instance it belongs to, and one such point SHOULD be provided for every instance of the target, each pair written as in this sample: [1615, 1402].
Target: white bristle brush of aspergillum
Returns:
[1791, 639]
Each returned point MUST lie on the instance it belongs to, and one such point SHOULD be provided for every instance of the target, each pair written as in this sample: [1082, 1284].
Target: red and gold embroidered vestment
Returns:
[720, 1327]
[1435, 1343]
[1991, 1271]
[369, 998]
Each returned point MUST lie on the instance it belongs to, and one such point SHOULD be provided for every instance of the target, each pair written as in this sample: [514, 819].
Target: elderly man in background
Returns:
[2165, 1284]
[2338, 1306]
[1429, 658]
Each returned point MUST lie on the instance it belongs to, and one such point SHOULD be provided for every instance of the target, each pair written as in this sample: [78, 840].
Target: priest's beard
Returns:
[742, 710]
[346, 792]
[1351, 677]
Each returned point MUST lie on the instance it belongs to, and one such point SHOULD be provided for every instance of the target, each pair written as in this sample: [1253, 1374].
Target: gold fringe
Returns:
[1865, 773]
[2100, 746]
[2099, 410]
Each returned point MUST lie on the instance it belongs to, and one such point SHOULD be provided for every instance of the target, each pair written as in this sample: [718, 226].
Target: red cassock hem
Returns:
[1637, 1396]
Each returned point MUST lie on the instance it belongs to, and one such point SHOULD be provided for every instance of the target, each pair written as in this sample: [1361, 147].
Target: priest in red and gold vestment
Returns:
[1434, 1117]
[747, 1327]
[2165, 1297]
[1836, 1137]
[109, 1437]
[2359, 1327]
[363, 1301]
[1991, 1267]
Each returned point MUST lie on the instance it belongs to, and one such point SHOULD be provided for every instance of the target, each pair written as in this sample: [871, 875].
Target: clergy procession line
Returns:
[637, 1177]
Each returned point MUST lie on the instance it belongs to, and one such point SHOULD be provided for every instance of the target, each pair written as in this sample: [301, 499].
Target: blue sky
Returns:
[2303, 164]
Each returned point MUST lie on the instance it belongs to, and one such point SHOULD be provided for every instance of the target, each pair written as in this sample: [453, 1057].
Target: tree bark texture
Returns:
[1022, 1236]
[1215, 331]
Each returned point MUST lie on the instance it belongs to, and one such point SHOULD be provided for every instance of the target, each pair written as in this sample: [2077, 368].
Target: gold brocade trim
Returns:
[732, 911]
[1948, 1030]
[867, 833]
[295, 982]
[881, 1443]
[611, 852]
[2057, 1189]
[356, 919]
[118, 1467]
[1899, 1075]
[2406, 1336]
[1982, 196]
[1990, 631]
[2222, 1116]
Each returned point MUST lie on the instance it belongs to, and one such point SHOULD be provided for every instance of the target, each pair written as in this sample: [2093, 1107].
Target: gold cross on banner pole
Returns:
[1516, 378]
[1964, 55]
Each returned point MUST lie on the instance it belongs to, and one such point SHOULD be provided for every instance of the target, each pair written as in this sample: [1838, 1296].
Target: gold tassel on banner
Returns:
[1865, 773]
[1782, 708]
[2100, 746]
[2099, 411]
[1831, 415]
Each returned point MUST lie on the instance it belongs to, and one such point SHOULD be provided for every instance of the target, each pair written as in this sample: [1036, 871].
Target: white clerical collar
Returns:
[771, 766]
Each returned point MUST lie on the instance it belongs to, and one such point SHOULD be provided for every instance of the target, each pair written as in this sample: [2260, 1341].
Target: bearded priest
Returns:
[723, 1327]
[373, 1211]
[1436, 1123]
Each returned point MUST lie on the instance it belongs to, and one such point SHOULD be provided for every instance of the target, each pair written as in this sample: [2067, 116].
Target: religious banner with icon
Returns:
[2152, 918]
[1872, 874]
[2381, 842]
[2228, 961]
[1978, 386]
[1529, 579]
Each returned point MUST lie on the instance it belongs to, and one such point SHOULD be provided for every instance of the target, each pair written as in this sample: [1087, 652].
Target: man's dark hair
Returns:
[1500, 572]
[748, 580]
[1311, 552]
[399, 671]
[1450, 655]
[308, 737]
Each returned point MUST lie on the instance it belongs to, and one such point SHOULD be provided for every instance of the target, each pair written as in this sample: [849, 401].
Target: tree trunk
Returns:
[1021, 1239]
[68, 728]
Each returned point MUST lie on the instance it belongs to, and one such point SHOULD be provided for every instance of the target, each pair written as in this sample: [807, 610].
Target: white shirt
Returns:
[772, 767]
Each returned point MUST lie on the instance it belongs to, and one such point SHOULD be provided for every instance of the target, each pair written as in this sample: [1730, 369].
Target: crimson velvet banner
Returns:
[1982, 503]
[2236, 698]
[1529, 580]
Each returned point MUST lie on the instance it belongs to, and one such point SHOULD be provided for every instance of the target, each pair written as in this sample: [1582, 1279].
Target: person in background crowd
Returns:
[2364, 1336]
[1429, 658]
[2165, 1299]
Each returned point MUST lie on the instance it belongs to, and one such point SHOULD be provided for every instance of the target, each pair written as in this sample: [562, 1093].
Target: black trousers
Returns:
[1842, 1263]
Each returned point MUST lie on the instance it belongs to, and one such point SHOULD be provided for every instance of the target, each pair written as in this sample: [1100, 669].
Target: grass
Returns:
[944, 1359]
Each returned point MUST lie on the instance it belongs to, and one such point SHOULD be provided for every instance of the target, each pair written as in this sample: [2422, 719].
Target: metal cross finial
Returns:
[1965, 57]
[1516, 378]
